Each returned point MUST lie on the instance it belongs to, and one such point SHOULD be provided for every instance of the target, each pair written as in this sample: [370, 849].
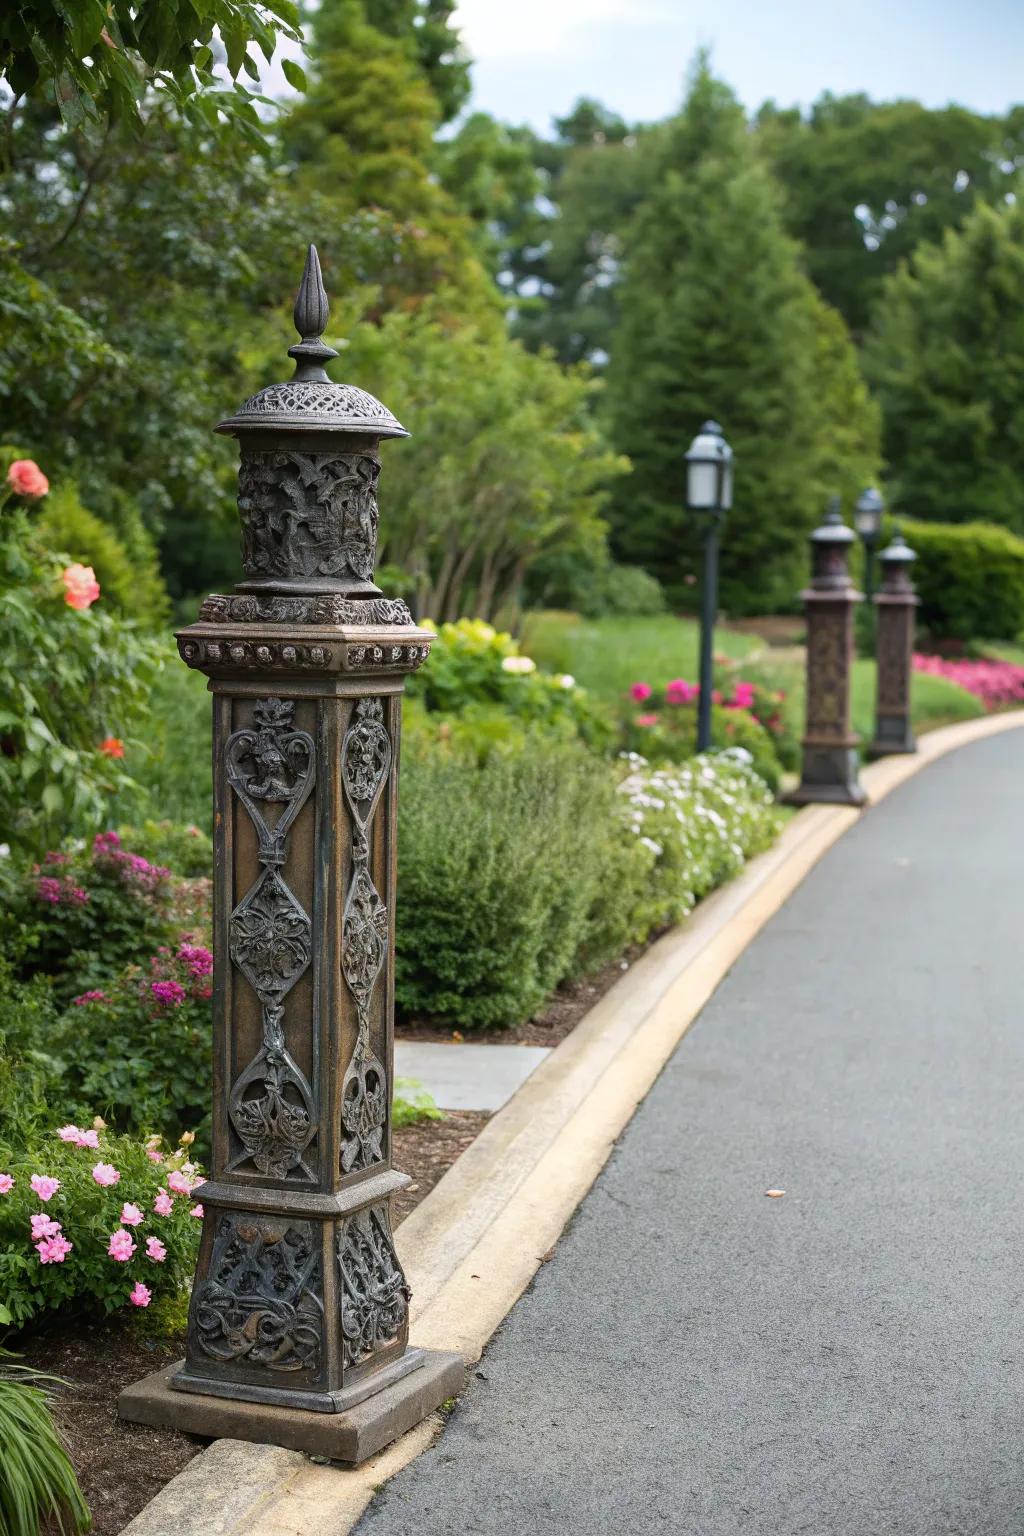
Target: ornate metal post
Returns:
[300, 1305]
[894, 605]
[829, 745]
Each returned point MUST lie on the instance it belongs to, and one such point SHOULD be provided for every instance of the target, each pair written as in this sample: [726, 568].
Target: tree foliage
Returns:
[717, 319]
[96, 59]
[947, 362]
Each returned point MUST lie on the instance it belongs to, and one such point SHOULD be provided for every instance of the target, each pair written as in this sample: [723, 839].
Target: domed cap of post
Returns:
[832, 530]
[310, 401]
[898, 553]
[830, 546]
[897, 562]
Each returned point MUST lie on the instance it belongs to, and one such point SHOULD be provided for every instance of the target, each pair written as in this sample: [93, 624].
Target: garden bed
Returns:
[122, 1466]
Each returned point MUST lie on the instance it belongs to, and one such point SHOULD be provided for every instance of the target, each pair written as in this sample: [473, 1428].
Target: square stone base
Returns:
[829, 777]
[351, 1436]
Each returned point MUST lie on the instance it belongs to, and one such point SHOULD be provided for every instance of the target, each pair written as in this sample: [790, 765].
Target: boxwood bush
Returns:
[970, 579]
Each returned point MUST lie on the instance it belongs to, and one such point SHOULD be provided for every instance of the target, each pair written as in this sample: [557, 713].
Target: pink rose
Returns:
[646, 720]
[6, 1183]
[155, 1250]
[53, 1250]
[43, 1226]
[170, 993]
[141, 1295]
[88, 1139]
[131, 1216]
[106, 1174]
[196, 1210]
[153, 1155]
[81, 589]
[120, 1246]
[743, 695]
[69, 1133]
[163, 1204]
[640, 691]
[178, 1183]
[44, 1186]
[25, 478]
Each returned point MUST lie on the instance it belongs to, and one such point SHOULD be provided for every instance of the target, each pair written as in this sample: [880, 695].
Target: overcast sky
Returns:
[533, 58]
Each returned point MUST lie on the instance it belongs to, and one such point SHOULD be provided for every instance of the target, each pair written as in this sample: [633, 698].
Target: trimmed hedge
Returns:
[970, 579]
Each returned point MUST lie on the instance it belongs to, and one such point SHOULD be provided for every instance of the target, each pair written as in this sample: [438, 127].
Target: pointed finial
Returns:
[834, 510]
[311, 314]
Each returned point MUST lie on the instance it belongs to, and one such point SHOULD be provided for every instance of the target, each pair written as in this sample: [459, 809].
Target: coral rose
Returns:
[25, 478]
[81, 589]
[113, 746]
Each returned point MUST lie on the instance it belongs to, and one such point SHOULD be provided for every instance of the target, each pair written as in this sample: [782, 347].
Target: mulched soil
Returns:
[122, 1466]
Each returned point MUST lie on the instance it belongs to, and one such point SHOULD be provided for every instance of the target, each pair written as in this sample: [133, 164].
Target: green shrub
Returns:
[511, 875]
[173, 770]
[130, 581]
[475, 667]
[86, 1213]
[594, 586]
[139, 1047]
[970, 579]
[37, 1481]
[182, 845]
[73, 687]
[412, 1104]
[32, 1076]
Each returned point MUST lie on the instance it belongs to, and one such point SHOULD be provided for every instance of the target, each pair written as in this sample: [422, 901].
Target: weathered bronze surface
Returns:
[829, 766]
[299, 1301]
[895, 605]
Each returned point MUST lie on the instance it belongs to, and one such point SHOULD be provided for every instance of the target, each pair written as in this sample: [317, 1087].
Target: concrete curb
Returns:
[473, 1246]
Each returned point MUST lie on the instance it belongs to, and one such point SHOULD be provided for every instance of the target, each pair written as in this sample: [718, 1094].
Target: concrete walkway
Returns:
[847, 1360]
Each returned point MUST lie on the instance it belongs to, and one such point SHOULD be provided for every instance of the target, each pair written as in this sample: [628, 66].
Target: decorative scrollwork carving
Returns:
[270, 941]
[328, 608]
[260, 1306]
[366, 758]
[374, 1293]
[308, 515]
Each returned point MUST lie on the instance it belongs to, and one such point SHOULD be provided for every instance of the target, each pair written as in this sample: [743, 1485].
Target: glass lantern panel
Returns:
[702, 484]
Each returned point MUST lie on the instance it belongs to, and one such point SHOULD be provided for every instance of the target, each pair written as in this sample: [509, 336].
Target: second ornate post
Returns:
[298, 1325]
[895, 605]
[829, 768]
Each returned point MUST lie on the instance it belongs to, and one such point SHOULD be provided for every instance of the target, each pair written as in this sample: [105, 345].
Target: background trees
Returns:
[716, 263]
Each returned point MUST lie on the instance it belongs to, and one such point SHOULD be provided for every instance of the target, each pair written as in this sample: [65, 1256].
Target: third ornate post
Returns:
[895, 606]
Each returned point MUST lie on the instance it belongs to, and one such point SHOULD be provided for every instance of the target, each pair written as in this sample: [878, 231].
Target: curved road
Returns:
[847, 1360]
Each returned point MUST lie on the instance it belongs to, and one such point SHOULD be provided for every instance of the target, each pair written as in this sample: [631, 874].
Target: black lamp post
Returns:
[709, 465]
[868, 512]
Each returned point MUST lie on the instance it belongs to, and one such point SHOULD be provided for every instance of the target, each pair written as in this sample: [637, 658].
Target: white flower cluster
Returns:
[700, 820]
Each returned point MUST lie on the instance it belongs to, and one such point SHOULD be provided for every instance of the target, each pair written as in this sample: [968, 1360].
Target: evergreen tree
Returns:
[718, 320]
[947, 363]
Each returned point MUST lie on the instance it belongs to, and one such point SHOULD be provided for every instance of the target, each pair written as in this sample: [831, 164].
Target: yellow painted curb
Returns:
[473, 1246]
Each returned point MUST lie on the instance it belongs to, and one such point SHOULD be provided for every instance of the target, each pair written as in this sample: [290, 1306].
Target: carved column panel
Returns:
[829, 767]
[300, 1304]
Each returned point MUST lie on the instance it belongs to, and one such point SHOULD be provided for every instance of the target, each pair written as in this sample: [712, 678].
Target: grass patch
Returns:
[606, 655]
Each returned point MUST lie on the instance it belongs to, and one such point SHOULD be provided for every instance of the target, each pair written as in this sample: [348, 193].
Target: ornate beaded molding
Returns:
[230, 655]
[366, 758]
[243, 609]
[315, 403]
[270, 941]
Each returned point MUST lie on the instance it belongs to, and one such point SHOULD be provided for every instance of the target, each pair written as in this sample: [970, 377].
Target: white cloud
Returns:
[532, 28]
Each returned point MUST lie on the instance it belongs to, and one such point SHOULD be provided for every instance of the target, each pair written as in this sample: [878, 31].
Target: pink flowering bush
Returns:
[140, 1046]
[995, 683]
[81, 915]
[72, 1242]
[660, 723]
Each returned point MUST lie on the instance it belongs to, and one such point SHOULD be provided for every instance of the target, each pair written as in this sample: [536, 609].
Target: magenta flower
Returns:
[198, 959]
[743, 695]
[155, 1250]
[106, 1175]
[646, 720]
[131, 1216]
[95, 996]
[120, 1246]
[48, 889]
[640, 691]
[163, 1204]
[679, 691]
[169, 993]
[44, 1186]
[54, 1250]
[6, 1183]
[178, 1183]
[43, 1226]
[141, 1295]
[196, 1210]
